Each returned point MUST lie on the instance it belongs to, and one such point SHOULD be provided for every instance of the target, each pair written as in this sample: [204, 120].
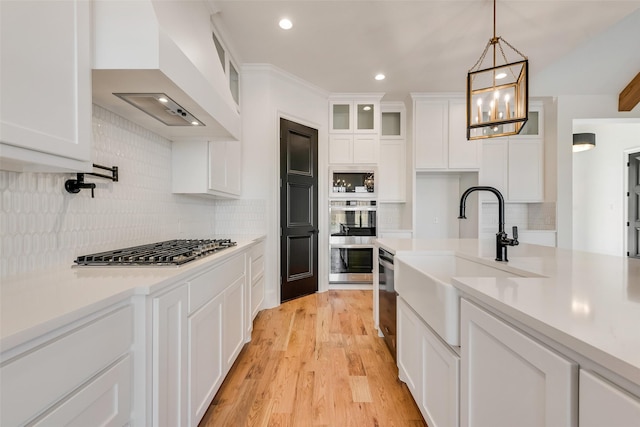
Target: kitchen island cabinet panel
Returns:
[45, 113]
[429, 367]
[510, 379]
[604, 404]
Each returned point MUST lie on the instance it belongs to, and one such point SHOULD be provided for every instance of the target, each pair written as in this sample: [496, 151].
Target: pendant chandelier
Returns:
[497, 96]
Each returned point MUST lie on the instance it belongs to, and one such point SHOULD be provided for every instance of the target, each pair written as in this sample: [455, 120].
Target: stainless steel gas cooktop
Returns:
[161, 254]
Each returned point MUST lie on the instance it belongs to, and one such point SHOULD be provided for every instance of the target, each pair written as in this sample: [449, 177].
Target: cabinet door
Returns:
[604, 404]
[440, 379]
[205, 357]
[509, 379]
[234, 166]
[391, 172]
[340, 149]
[366, 116]
[340, 117]
[217, 166]
[105, 401]
[233, 313]
[45, 78]
[365, 148]
[463, 154]
[525, 171]
[494, 169]
[169, 358]
[409, 349]
[431, 131]
[225, 165]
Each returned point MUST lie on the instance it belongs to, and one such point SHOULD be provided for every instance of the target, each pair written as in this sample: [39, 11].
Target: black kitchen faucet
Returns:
[502, 241]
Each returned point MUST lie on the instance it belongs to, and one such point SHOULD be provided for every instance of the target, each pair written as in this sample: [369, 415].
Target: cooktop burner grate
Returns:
[167, 253]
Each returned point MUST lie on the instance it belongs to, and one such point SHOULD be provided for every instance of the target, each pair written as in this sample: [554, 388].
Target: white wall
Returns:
[586, 84]
[437, 205]
[599, 186]
[268, 94]
[572, 107]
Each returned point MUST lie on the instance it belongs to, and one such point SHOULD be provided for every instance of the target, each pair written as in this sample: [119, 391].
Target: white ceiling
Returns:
[421, 45]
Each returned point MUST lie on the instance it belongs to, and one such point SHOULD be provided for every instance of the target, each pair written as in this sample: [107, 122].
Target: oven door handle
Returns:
[351, 246]
[353, 208]
[386, 264]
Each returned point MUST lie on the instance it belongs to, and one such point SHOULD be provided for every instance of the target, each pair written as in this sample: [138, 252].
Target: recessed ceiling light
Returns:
[366, 108]
[285, 24]
[380, 76]
[163, 100]
[501, 76]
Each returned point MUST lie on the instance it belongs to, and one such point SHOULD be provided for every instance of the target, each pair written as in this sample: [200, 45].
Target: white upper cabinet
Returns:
[354, 128]
[45, 81]
[392, 163]
[440, 134]
[515, 164]
[348, 115]
[209, 168]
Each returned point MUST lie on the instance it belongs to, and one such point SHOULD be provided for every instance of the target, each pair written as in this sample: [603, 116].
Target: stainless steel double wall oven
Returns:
[353, 230]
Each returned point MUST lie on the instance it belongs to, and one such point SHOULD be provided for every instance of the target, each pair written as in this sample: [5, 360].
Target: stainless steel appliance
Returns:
[353, 229]
[161, 254]
[387, 299]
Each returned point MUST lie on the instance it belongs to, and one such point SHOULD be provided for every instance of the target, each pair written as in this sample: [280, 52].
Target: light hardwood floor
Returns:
[315, 361]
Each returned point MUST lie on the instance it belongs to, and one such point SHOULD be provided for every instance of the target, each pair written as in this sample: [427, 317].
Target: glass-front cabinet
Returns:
[354, 116]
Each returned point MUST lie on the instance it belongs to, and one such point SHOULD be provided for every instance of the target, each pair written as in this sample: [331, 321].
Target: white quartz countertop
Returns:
[35, 304]
[587, 302]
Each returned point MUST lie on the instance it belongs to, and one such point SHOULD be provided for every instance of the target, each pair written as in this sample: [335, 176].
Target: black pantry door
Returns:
[298, 210]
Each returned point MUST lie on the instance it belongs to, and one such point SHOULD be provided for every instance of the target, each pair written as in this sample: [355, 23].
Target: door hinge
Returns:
[628, 254]
[628, 223]
[627, 194]
[280, 182]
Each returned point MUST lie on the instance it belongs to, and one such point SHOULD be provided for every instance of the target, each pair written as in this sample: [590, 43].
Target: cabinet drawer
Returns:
[33, 382]
[206, 286]
[105, 401]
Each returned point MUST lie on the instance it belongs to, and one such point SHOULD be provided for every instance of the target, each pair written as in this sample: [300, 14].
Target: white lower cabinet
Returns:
[80, 375]
[215, 331]
[233, 337]
[604, 404]
[206, 370]
[105, 401]
[509, 379]
[429, 368]
[169, 380]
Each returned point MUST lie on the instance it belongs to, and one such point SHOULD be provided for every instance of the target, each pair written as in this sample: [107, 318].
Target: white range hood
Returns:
[164, 46]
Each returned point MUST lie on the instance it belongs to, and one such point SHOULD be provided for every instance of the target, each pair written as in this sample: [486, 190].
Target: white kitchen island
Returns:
[559, 346]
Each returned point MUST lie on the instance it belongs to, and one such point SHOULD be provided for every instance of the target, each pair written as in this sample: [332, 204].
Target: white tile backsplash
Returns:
[42, 226]
[526, 216]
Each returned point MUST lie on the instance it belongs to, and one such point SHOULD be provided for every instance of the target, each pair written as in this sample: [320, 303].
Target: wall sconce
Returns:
[497, 96]
[583, 141]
